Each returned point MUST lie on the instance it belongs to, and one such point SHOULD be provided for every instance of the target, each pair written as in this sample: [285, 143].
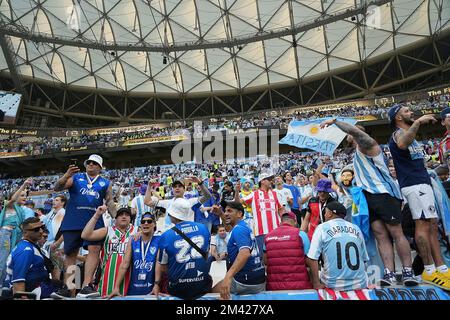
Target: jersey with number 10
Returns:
[186, 265]
[343, 250]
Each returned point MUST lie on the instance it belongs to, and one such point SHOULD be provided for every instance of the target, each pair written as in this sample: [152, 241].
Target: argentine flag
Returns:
[306, 134]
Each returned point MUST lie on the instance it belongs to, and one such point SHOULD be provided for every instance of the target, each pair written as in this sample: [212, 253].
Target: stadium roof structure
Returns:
[183, 50]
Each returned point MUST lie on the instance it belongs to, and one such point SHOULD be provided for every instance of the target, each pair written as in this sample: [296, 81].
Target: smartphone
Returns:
[73, 162]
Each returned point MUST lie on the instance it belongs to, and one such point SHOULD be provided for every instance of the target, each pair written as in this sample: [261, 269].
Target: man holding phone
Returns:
[88, 191]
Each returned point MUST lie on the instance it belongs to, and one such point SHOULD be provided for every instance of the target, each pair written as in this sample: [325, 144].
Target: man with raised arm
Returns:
[415, 184]
[383, 199]
[178, 188]
[88, 191]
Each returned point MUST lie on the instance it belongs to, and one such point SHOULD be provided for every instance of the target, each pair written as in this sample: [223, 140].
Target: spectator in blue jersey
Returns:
[11, 216]
[205, 215]
[88, 191]
[342, 246]
[184, 250]
[28, 267]
[416, 187]
[140, 256]
[245, 271]
[296, 196]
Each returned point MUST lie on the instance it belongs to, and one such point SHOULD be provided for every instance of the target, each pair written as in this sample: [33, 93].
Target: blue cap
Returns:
[148, 215]
[393, 112]
[445, 112]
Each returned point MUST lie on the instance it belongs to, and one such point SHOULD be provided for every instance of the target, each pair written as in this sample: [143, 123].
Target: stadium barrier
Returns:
[394, 293]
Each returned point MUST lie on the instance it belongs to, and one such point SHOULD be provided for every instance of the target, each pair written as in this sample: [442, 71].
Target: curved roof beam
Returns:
[22, 32]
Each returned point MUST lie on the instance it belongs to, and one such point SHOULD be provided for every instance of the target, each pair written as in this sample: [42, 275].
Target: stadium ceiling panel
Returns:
[205, 46]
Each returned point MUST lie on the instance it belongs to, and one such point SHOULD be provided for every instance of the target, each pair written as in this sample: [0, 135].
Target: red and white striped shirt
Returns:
[265, 206]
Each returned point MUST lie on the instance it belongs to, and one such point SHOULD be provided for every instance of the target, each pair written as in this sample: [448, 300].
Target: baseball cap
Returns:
[337, 208]
[291, 215]
[393, 112]
[445, 112]
[177, 182]
[123, 210]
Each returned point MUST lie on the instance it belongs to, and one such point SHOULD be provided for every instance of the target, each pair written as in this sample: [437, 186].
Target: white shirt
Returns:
[305, 191]
[283, 196]
[52, 222]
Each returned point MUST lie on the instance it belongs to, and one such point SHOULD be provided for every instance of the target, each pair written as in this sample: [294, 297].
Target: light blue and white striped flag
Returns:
[306, 134]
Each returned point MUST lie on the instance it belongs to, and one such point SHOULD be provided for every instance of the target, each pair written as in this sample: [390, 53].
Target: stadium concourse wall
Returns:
[157, 150]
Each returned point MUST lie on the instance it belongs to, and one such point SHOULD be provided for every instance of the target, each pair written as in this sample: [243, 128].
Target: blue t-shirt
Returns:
[83, 202]
[143, 270]
[25, 264]
[344, 254]
[295, 194]
[27, 213]
[200, 216]
[242, 238]
[186, 265]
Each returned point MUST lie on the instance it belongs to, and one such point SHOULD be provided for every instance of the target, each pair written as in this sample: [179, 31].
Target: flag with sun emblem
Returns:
[306, 134]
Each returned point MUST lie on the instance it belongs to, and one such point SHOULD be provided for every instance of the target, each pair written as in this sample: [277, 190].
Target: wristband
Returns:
[157, 282]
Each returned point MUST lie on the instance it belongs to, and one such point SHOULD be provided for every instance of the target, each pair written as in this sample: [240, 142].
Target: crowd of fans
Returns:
[131, 178]
[161, 229]
[38, 145]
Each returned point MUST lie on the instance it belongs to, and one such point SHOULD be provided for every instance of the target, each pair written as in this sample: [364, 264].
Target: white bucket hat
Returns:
[181, 210]
[96, 159]
[265, 175]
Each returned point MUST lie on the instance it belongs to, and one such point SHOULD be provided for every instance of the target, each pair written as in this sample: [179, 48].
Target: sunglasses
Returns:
[91, 162]
[147, 221]
[37, 229]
